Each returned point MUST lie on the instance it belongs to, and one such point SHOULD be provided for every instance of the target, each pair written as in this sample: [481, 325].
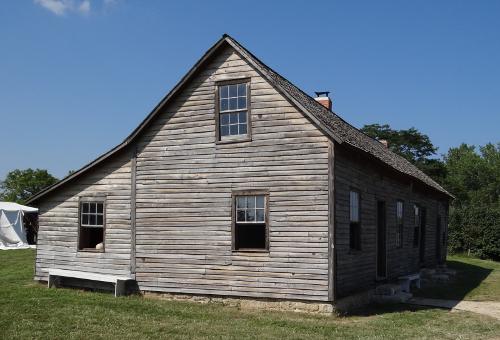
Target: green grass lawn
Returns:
[476, 280]
[30, 310]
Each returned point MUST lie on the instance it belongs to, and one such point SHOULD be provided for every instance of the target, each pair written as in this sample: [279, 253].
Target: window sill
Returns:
[250, 250]
[90, 250]
[234, 140]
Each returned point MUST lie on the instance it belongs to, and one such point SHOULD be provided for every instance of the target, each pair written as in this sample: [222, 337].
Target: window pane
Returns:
[243, 117]
[99, 208]
[233, 130]
[251, 202]
[251, 215]
[242, 90]
[250, 237]
[99, 220]
[85, 219]
[233, 103]
[242, 103]
[260, 202]
[224, 118]
[260, 215]
[241, 202]
[92, 220]
[233, 118]
[354, 206]
[240, 215]
[85, 207]
[93, 207]
[224, 130]
[224, 104]
[243, 129]
[224, 91]
[232, 90]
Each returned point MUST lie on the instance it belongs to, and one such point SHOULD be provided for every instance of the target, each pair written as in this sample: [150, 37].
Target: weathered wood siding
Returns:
[58, 222]
[184, 185]
[356, 270]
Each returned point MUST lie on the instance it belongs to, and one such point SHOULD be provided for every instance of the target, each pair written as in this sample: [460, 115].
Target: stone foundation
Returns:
[249, 304]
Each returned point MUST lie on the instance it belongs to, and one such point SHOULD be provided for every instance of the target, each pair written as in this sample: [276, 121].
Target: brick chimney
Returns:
[324, 99]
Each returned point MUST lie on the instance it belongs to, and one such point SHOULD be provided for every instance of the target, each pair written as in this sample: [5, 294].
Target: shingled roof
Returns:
[334, 126]
[342, 131]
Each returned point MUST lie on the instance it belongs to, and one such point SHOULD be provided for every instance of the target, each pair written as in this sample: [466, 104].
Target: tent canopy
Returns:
[12, 231]
[11, 206]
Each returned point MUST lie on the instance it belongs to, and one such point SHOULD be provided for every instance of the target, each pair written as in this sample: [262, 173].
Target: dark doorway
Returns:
[381, 241]
[438, 239]
[423, 223]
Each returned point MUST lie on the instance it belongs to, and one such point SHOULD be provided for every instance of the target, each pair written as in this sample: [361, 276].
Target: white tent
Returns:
[12, 232]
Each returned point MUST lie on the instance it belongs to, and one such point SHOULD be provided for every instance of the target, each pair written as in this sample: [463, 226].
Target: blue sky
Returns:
[77, 76]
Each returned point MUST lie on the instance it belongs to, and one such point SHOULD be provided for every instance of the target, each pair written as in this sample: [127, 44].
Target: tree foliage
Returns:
[471, 174]
[411, 144]
[474, 178]
[19, 185]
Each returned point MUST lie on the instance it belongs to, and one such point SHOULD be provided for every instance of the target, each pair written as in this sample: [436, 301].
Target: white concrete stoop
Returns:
[390, 293]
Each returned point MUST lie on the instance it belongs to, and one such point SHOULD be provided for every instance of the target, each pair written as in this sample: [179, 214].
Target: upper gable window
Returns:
[233, 115]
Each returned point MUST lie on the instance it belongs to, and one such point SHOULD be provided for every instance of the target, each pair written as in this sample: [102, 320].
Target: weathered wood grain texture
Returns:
[183, 198]
[58, 221]
[356, 270]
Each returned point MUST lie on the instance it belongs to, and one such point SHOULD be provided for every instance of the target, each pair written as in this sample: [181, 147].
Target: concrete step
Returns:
[400, 297]
[446, 271]
[388, 289]
[427, 272]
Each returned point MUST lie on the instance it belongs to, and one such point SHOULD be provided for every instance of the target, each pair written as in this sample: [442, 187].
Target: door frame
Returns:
[381, 203]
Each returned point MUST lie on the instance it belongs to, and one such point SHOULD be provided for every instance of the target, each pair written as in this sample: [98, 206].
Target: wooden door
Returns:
[423, 223]
[438, 239]
[381, 241]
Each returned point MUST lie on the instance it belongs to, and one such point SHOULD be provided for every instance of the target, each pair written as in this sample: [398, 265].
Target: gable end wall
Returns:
[184, 185]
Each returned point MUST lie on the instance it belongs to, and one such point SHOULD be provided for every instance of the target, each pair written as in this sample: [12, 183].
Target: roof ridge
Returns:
[332, 119]
[332, 124]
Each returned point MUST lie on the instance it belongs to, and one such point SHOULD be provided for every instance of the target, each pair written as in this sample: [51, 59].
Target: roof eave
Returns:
[137, 130]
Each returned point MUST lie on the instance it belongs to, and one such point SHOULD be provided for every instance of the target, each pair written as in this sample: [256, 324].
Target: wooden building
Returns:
[239, 184]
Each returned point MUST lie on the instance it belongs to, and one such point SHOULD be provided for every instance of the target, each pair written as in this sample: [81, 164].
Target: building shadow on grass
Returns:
[468, 277]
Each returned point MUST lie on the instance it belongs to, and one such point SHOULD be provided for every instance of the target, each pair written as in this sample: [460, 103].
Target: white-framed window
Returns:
[416, 225]
[233, 113]
[250, 221]
[92, 225]
[354, 220]
[399, 223]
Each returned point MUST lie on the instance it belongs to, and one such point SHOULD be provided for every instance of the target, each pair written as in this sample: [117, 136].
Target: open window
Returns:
[250, 221]
[399, 223]
[91, 226]
[354, 221]
[233, 110]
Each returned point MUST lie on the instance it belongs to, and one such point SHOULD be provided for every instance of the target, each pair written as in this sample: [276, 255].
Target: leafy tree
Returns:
[19, 185]
[474, 178]
[413, 145]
